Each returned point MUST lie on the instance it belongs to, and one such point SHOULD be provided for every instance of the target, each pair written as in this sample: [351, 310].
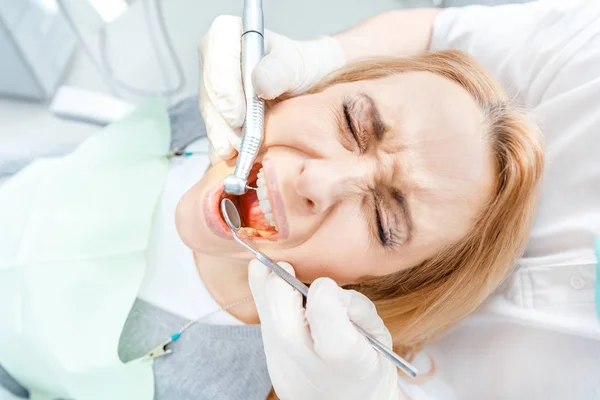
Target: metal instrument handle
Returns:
[302, 288]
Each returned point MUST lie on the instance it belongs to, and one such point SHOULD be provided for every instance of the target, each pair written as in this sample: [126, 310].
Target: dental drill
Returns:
[252, 131]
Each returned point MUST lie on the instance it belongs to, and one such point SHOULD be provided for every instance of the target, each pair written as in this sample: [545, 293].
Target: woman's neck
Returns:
[227, 281]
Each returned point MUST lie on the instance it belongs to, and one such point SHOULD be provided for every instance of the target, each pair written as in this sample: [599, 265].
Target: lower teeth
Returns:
[247, 231]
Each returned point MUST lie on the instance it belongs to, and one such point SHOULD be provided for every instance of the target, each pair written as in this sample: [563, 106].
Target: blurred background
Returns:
[58, 58]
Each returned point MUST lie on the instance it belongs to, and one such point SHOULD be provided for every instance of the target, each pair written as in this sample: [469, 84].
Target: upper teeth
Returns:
[265, 204]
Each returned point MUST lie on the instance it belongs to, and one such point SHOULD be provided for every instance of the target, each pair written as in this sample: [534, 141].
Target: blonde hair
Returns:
[420, 303]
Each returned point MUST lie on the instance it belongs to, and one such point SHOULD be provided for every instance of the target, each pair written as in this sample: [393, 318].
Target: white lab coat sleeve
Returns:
[520, 44]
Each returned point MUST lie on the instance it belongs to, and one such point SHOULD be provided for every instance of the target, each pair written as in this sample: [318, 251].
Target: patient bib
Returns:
[73, 232]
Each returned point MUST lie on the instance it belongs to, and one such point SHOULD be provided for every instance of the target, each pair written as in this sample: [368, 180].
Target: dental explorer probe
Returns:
[233, 220]
[252, 130]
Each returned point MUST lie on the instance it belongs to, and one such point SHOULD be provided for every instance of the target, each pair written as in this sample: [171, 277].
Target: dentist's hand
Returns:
[289, 67]
[317, 353]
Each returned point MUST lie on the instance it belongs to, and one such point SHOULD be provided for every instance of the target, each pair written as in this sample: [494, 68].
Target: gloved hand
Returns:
[289, 67]
[316, 353]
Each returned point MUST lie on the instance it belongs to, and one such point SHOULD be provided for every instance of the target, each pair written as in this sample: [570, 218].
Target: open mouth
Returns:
[255, 207]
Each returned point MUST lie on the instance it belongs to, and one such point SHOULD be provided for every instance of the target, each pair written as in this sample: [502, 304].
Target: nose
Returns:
[323, 183]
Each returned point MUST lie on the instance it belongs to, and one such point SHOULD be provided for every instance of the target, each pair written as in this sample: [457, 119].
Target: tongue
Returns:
[252, 215]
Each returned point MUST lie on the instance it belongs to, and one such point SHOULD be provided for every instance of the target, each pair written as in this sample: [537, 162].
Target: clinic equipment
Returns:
[98, 16]
[233, 220]
[36, 46]
[252, 131]
[163, 348]
[89, 106]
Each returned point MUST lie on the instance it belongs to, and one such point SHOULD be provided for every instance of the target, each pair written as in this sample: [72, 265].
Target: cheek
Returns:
[341, 249]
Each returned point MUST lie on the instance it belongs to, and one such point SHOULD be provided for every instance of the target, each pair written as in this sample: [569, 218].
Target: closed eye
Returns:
[384, 231]
[353, 126]
[380, 231]
[392, 225]
[348, 120]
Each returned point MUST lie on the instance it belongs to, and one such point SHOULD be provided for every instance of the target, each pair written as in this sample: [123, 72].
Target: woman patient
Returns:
[411, 180]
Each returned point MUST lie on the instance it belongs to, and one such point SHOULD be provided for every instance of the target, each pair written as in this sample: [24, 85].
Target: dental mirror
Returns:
[231, 215]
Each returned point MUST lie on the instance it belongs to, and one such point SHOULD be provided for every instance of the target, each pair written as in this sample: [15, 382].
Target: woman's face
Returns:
[363, 179]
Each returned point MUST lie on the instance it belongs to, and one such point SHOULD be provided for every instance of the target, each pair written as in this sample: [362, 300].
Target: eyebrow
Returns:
[378, 127]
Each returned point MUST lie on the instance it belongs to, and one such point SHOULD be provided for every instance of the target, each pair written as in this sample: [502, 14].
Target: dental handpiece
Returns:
[252, 130]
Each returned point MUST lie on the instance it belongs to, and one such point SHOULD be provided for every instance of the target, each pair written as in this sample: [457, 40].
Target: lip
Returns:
[212, 212]
[215, 222]
[276, 199]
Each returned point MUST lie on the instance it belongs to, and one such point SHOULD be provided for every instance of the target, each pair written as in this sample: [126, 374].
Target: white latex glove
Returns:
[316, 353]
[289, 67]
